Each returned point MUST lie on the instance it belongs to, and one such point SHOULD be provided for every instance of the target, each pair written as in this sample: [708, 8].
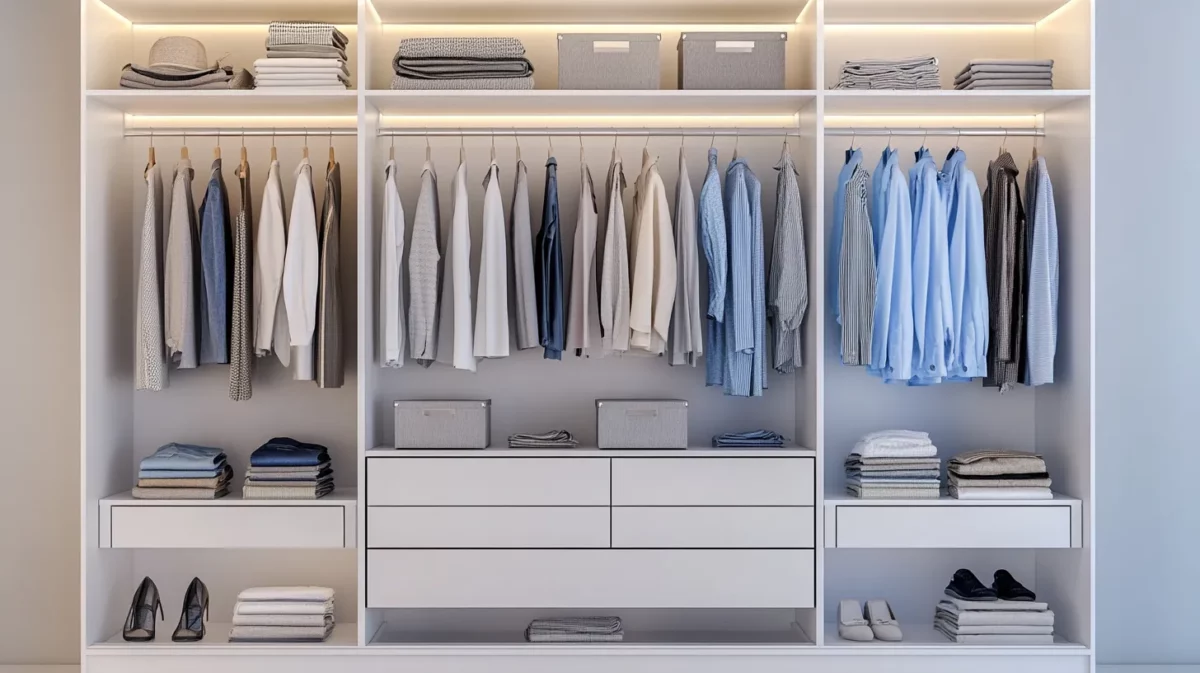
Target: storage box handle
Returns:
[431, 412]
[610, 47]
[642, 412]
[735, 46]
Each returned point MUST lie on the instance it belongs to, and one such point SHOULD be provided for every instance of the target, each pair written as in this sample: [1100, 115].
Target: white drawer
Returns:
[951, 527]
[622, 578]
[713, 527]
[487, 527]
[765, 482]
[487, 481]
[211, 526]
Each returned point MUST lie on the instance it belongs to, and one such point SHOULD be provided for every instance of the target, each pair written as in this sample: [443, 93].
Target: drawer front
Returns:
[256, 527]
[594, 579]
[713, 527]
[488, 481]
[487, 527]
[765, 482]
[952, 527]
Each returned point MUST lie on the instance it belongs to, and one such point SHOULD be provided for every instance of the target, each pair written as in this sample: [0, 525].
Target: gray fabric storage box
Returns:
[608, 60]
[443, 424]
[732, 60]
[641, 424]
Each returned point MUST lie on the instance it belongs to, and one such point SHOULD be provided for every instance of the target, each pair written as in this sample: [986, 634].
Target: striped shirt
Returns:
[745, 303]
[856, 273]
[1004, 242]
[424, 259]
[1042, 327]
[716, 253]
[789, 271]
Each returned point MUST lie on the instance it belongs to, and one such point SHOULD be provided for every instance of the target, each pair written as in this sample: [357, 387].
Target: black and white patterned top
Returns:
[241, 350]
[787, 300]
[856, 282]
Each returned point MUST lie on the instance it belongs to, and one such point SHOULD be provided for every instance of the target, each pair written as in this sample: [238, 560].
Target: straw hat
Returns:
[178, 55]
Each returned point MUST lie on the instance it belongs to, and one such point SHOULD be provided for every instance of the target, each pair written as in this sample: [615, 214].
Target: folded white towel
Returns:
[967, 493]
[282, 608]
[975, 606]
[292, 594]
[881, 449]
[910, 435]
[281, 620]
[301, 71]
[997, 617]
[302, 84]
[299, 63]
[995, 629]
[995, 639]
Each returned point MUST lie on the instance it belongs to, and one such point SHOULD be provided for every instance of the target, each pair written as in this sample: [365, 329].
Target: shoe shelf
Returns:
[216, 641]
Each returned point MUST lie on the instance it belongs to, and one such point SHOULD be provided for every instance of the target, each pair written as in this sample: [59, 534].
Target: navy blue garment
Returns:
[548, 271]
[287, 452]
[216, 249]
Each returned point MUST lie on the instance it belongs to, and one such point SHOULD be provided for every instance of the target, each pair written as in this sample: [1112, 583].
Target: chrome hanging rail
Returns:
[697, 131]
[936, 131]
[234, 132]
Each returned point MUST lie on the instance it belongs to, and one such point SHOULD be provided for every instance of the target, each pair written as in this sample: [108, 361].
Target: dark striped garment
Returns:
[856, 273]
[1004, 247]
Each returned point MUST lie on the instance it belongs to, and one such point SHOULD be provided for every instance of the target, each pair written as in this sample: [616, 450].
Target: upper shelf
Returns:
[947, 102]
[234, 11]
[939, 11]
[589, 11]
[558, 102]
[258, 102]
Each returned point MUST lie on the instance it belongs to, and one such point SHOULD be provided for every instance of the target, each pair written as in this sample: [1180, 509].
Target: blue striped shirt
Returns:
[745, 304]
[853, 160]
[716, 252]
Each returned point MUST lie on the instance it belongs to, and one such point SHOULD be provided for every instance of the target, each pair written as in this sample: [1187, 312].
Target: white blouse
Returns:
[301, 273]
[456, 335]
[491, 309]
[392, 329]
[270, 249]
[583, 311]
[653, 253]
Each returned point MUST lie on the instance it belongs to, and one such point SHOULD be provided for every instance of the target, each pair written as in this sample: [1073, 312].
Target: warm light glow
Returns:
[113, 12]
[588, 121]
[374, 13]
[235, 122]
[1052, 15]
[933, 121]
[930, 27]
[187, 28]
[811, 4]
[490, 29]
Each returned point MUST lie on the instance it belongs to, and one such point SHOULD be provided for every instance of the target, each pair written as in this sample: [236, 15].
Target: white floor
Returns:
[1112, 668]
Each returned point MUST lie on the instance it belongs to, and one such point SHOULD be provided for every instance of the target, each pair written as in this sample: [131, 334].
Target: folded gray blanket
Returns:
[445, 68]
[1002, 76]
[306, 51]
[1006, 62]
[967, 482]
[575, 629]
[305, 32]
[276, 492]
[894, 474]
[1008, 84]
[460, 47]
[555, 439]
[288, 469]
[281, 634]
[995, 462]
[494, 83]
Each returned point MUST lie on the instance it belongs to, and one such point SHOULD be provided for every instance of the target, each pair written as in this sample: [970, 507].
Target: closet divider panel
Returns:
[369, 225]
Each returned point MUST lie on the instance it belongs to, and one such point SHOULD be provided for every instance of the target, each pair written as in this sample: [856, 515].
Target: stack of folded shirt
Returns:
[1006, 74]
[995, 622]
[285, 469]
[183, 472]
[555, 439]
[906, 73]
[575, 630]
[304, 54]
[462, 63]
[894, 464]
[754, 439]
[998, 474]
[283, 614]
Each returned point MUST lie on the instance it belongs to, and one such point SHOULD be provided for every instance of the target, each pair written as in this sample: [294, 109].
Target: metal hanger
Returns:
[853, 135]
[737, 140]
[549, 146]
[958, 139]
[1035, 144]
[785, 150]
[713, 140]
[1003, 144]
[890, 133]
[582, 162]
[493, 146]
[615, 155]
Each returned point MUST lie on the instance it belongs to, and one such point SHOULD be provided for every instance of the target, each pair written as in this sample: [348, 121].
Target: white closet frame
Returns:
[823, 406]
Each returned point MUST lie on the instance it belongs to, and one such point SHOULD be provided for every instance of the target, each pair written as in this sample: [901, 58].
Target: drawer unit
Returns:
[952, 526]
[621, 578]
[487, 527]
[765, 482]
[461, 482]
[713, 527]
[211, 526]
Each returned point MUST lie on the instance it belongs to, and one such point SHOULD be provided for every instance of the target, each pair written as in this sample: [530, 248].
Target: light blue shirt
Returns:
[716, 252]
[892, 337]
[968, 269]
[746, 300]
[879, 183]
[932, 312]
[1041, 318]
[853, 159]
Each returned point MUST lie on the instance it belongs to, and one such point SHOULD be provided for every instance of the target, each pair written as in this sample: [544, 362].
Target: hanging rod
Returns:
[237, 132]
[606, 132]
[935, 131]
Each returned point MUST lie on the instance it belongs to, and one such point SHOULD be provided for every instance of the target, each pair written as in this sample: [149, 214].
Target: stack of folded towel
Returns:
[462, 63]
[1006, 74]
[754, 439]
[183, 472]
[283, 614]
[555, 439]
[285, 469]
[998, 474]
[575, 630]
[1005, 613]
[305, 54]
[894, 464]
[906, 73]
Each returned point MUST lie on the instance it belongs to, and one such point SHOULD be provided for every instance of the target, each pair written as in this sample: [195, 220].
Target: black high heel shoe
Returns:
[140, 622]
[191, 627]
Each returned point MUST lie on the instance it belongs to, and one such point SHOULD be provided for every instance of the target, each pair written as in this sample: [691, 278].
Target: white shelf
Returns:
[590, 452]
[341, 496]
[847, 500]
[701, 104]
[946, 102]
[589, 11]
[924, 636]
[939, 11]
[513, 642]
[235, 11]
[216, 641]
[259, 102]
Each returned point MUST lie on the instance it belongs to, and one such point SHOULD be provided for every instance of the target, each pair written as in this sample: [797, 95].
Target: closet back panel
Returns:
[958, 416]
[530, 394]
[195, 407]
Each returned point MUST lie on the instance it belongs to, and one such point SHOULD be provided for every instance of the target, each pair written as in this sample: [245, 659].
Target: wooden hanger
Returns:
[332, 157]
[150, 155]
[392, 150]
[517, 140]
[306, 143]
[244, 164]
[217, 148]
[462, 149]
[183, 151]
[428, 151]
[493, 155]
[274, 153]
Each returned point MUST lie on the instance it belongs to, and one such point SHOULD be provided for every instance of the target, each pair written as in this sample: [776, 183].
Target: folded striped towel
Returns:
[575, 629]
[554, 439]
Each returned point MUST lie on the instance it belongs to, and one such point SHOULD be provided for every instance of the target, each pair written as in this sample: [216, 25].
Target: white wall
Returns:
[39, 333]
[1147, 328]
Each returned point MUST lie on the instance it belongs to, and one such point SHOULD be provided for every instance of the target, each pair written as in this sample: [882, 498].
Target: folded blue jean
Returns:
[287, 452]
[183, 457]
[182, 474]
[753, 438]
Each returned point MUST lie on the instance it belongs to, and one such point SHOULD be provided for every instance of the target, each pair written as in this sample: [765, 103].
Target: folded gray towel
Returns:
[320, 621]
[575, 629]
[1001, 77]
[282, 634]
[460, 47]
[967, 482]
[1009, 62]
[306, 51]
[494, 83]
[275, 492]
[305, 32]
[444, 68]
[1008, 84]
[986, 462]
[141, 493]
[554, 439]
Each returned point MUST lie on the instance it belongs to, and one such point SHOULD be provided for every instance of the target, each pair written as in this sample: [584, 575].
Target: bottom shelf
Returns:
[344, 635]
[918, 635]
[389, 635]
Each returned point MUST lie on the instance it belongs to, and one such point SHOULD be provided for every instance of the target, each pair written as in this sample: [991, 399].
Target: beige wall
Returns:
[39, 332]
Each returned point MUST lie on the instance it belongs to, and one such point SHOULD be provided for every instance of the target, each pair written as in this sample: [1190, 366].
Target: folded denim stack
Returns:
[894, 464]
[178, 62]
[555, 439]
[1006, 74]
[905, 73]
[753, 439]
[1005, 613]
[304, 54]
[283, 614]
[285, 469]
[575, 630]
[183, 472]
[462, 63]
[998, 474]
